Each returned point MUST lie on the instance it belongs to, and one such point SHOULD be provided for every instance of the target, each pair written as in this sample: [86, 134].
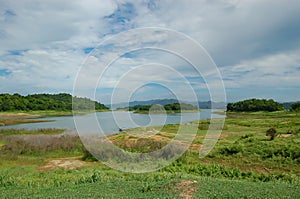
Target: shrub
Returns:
[231, 150]
[272, 133]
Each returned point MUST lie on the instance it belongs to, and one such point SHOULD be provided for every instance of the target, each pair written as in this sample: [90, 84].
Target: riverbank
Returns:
[12, 118]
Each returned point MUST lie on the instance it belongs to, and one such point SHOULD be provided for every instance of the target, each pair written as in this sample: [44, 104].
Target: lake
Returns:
[111, 122]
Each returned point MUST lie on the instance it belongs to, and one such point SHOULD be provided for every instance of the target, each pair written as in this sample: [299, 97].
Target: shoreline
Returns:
[15, 118]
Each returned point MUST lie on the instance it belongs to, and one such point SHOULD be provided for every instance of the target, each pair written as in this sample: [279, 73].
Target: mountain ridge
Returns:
[202, 104]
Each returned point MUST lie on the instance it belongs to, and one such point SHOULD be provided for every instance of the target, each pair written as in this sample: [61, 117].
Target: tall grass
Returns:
[35, 145]
[47, 131]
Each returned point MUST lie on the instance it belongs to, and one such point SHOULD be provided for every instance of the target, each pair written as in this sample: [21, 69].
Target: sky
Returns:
[241, 49]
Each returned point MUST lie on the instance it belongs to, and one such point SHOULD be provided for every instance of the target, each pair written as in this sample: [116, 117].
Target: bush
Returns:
[231, 150]
[272, 133]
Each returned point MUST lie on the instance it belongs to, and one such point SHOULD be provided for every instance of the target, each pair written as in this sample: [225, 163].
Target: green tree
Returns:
[7, 103]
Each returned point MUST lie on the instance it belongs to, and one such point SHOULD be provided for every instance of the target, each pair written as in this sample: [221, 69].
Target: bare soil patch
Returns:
[285, 135]
[186, 188]
[195, 147]
[63, 163]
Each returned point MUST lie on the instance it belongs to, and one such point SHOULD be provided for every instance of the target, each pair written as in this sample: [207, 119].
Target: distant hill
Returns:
[288, 105]
[37, 102]
[163, 102]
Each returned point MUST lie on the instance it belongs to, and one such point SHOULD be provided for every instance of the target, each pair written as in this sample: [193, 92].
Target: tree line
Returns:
[295, 106]
[252, 105]
[36, 102]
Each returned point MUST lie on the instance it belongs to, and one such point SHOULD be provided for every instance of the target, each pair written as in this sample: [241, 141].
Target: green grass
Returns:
[97, 183]
[244, 143]
[2, 142]
[88, 182]
[215, 188]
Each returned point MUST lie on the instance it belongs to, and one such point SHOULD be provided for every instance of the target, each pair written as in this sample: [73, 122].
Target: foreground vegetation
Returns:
[245, 163]
[112, 184]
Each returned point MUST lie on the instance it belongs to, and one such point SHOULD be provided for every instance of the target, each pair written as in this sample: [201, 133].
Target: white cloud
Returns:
[53, 35]
[37, 24]
[255, 41]
[277, 72]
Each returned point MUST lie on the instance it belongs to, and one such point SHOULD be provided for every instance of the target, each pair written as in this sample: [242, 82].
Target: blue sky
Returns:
[255, 45]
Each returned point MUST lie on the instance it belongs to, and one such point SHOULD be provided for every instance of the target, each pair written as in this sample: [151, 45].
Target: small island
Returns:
[254, 105]
[159, 109]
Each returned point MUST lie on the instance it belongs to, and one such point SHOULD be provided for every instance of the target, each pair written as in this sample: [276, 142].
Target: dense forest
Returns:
[36, 102]
[175, 107]
[252, 105]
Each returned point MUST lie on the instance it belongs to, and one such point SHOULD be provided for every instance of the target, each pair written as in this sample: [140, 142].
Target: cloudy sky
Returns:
[254, 45]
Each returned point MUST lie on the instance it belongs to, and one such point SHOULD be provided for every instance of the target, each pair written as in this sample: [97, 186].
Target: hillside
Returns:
[36, 102]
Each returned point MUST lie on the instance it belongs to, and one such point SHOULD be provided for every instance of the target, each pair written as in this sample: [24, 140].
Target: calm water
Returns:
[111, 122]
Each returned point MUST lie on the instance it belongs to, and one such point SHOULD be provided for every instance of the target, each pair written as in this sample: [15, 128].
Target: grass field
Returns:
[111, 184]
[245, 163]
